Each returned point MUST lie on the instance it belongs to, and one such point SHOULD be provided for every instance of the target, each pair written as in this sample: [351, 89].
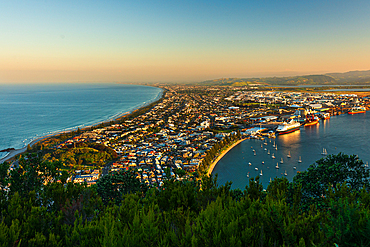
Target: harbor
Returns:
[304, 146]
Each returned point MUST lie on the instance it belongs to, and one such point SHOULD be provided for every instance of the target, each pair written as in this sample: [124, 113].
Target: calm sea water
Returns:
[349, 134]
[31, 111]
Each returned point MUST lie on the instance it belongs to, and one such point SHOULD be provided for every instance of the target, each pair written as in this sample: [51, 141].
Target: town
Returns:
[172, 138]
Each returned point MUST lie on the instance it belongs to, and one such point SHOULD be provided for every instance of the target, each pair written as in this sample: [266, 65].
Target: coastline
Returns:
[214, 163]
[10, 155]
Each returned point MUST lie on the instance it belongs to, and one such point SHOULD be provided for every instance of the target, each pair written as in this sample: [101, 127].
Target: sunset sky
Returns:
[179, 41]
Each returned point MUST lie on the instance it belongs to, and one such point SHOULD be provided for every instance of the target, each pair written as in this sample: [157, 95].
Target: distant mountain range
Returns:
[347, 78]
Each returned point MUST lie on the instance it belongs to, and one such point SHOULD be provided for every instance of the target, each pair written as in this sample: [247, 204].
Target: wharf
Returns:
[270, 125]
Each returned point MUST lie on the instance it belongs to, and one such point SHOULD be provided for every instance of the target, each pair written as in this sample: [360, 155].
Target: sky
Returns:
[180, 41]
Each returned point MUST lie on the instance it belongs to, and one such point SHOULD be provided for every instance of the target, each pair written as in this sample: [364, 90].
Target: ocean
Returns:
[349, 134]
[30, 111]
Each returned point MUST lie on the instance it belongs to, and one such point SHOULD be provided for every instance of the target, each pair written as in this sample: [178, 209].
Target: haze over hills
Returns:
[351, 77]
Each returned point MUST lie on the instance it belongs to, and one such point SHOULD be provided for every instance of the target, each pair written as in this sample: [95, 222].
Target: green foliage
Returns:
[90, 154]
[254, 190]
[112, 186]
[32, 173]
[347, 225]
[328, 173]
[120, 211]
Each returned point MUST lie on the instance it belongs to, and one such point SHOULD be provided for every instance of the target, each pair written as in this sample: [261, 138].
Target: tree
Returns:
[254, 190]
[114, 185]
[329, 172]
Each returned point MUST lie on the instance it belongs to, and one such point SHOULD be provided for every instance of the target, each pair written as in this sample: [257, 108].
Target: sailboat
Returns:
[299, 160]
[261, 173]
[273, 156]
[277, 166]
[274, 144]
[285, 174]
[281, 161]
[255, 153]
[261, 145]
[324, 152]
[289, 155]
[276, 147]
[248, 175]
[268, 152]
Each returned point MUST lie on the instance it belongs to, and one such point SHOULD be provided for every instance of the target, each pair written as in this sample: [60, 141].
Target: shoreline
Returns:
[214, 163]
[10, 155]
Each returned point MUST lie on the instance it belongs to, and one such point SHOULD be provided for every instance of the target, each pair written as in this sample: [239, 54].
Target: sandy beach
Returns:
[121, 116]
[15, 152]
[214, 163]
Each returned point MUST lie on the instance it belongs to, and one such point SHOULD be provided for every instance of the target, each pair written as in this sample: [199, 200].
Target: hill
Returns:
[295, 80]
[351, 77]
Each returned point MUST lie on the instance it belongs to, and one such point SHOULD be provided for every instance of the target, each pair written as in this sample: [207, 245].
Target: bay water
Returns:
[349, 134]
[30, 111]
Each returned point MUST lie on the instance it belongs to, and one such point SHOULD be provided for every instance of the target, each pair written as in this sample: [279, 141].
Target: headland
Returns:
[173, 136]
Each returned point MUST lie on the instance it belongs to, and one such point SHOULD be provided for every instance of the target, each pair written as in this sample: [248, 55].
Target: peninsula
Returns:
[182, 134]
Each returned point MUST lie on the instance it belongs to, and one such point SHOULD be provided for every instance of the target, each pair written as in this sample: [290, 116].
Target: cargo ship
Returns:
[311, 120]
[357, 109]
[289, 127]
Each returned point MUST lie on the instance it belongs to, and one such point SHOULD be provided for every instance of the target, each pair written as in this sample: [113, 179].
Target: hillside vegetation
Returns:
[352, 77]
[327, 205]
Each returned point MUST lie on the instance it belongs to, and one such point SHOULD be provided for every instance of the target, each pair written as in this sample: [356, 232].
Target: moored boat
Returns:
[312, 120]
[288, 127]
[357, 109]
